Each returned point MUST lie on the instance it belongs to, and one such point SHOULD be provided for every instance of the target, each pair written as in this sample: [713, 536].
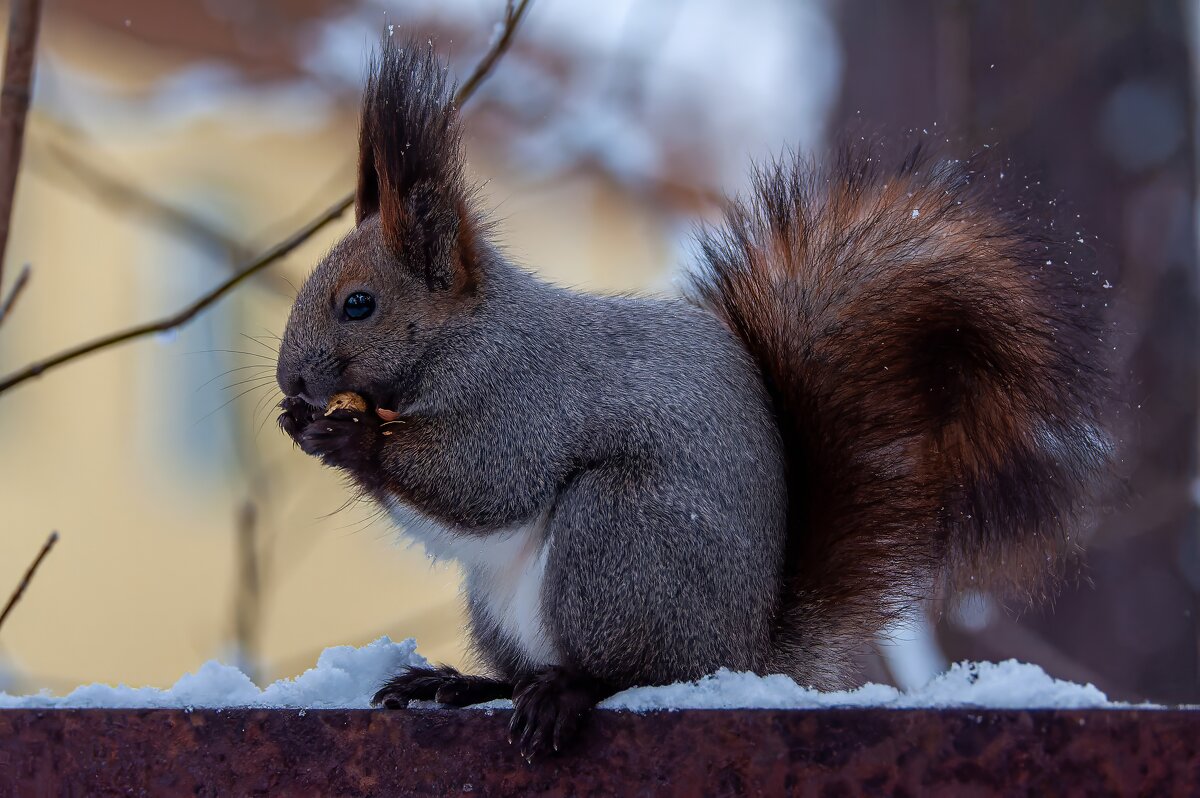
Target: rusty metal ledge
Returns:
[755, 752]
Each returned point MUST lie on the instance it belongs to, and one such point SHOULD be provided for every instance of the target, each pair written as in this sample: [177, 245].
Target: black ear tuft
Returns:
[411, 161]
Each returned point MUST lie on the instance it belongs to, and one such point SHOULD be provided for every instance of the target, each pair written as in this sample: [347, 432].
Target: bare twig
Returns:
[188, 313]
[16, 596]
[247, 611]
[512, 18]
[23, 19]
[17, 288]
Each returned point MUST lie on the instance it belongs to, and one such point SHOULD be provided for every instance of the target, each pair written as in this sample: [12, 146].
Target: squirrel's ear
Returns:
[410, 166]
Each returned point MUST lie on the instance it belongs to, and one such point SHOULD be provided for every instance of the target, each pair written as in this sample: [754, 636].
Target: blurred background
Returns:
[170, 140]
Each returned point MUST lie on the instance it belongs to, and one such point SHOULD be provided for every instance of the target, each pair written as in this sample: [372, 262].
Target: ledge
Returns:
[691, 752]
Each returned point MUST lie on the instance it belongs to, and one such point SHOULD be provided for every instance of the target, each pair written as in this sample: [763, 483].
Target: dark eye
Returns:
[359, 305]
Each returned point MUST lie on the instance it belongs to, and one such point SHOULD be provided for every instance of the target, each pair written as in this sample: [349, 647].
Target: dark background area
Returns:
[1095, 101]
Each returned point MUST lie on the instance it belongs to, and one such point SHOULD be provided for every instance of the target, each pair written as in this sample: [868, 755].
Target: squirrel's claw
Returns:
[549, 709]
[343, 439]
[296, 415]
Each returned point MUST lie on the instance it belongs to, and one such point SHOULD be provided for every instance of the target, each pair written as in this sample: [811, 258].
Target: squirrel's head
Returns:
[409, 268]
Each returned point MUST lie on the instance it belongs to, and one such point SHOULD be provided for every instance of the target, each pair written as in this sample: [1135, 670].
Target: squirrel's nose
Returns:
[292, 384]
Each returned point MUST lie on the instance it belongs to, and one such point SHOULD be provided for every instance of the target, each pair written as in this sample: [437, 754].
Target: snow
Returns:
[345, 678]
[910, 649]
[999, 685]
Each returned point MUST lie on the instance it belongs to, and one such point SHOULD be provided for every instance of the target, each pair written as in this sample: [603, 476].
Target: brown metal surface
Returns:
[763, 752]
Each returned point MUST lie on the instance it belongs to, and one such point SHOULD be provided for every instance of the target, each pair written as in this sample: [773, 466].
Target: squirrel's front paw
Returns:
[296, 415]
[342, 439]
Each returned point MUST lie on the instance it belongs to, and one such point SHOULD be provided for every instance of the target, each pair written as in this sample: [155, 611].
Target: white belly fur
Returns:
[504, 572]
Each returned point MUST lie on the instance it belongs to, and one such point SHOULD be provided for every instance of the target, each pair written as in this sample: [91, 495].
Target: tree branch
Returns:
[23, 19]
[512, 18]
[17, 288]
[25, 580]
[247, 606]
[188, 313]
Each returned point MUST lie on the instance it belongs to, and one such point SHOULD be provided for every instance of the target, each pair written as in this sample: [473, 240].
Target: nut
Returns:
[346, 401]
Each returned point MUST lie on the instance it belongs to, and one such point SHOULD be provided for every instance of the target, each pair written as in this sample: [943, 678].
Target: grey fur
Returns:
[637, 427]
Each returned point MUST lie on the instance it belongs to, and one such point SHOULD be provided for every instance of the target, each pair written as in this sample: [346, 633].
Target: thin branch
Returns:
[512, 18]
[23, 19]
[13, 294]
[25, 580]
[247, 608]
[188, 313]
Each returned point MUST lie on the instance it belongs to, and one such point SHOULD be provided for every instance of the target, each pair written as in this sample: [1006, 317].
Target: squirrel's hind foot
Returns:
[444, 685]
[549, 709]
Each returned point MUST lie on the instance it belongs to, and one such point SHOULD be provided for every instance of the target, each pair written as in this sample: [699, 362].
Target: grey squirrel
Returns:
[883, 378]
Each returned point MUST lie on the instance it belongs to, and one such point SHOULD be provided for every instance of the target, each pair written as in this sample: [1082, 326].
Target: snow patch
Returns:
[345, 678]
[994, 685]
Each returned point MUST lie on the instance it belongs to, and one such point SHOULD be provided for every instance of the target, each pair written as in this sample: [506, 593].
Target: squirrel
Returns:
[880, 379]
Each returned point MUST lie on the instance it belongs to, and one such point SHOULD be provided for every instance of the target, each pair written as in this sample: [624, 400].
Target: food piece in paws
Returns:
[347, 400]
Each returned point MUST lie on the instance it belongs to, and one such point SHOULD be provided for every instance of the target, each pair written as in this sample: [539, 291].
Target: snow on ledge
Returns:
[345, 678]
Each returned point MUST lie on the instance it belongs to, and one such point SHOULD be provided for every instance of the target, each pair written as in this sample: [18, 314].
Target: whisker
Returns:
[259, 379]
[269, 401]
[366, 348]
[231, 401]
[358, 527]
[266, 415]
[345, 505]
[230, 371]
[270, 349]
[231, 352]
[258, 408]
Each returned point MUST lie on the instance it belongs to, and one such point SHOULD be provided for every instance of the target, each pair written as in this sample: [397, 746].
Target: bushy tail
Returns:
[937, 375]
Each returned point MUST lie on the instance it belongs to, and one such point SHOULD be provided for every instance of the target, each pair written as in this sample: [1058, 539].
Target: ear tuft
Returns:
[411, 161]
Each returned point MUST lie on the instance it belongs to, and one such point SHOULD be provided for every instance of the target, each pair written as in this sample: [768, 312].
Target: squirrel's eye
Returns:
[359, 305]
